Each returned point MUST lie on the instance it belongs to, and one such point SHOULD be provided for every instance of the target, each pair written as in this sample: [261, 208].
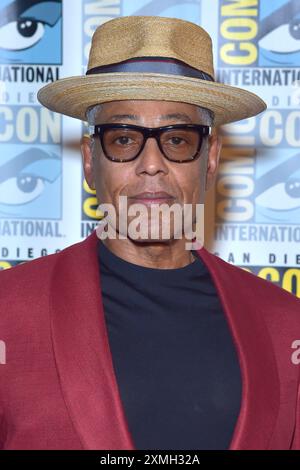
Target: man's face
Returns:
[151, 171]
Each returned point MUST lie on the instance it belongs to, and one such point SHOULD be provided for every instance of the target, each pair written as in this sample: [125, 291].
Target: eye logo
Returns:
[28, 182]
[279, 33]
[28, 30]
[277, 193]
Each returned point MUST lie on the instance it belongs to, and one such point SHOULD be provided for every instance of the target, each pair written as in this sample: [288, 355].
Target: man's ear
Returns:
[214, 151]
[87, 160]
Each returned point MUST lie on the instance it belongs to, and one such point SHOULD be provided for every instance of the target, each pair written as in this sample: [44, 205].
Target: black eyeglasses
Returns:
[178, 143]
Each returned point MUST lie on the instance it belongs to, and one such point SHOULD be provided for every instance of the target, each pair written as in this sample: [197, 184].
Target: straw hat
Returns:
[150, 58]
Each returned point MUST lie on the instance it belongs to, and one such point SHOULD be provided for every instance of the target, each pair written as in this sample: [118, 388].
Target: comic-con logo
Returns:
[263, 33]
[260, 182]
[29, 29]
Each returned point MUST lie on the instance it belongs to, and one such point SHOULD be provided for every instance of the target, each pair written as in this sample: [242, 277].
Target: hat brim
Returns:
[72, 96]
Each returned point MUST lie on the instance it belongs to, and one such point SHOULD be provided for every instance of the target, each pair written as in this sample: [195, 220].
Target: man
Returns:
[134, 342]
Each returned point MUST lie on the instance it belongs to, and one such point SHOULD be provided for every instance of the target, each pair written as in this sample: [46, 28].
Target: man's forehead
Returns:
[160, 117]
[136, 110]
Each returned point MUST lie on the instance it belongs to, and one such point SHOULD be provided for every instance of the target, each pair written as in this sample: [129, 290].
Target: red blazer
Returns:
[58, 389]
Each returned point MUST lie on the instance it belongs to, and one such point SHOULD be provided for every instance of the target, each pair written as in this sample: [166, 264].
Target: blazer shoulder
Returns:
[33, 274]
[27, 272]
[265, 290]
[262, 300]
[25, 289]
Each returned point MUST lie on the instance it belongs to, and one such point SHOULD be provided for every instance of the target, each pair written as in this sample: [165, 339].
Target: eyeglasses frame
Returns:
[151, 132]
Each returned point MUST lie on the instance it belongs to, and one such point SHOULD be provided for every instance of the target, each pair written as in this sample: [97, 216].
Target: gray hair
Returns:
[206, 114]
[91, 113]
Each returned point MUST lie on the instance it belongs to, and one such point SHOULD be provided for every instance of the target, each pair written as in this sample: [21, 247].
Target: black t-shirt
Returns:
[174, 358]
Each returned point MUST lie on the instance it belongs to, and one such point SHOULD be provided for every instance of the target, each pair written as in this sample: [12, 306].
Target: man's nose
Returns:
[151, 160]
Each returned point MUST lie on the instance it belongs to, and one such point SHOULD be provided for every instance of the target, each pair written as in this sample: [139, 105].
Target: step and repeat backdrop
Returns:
[252, 212]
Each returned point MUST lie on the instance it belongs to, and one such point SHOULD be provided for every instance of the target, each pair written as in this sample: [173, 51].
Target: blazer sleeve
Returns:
[296, 436]
[2, 427]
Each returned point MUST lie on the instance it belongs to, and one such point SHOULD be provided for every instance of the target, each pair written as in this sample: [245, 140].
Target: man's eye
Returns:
[123, 140]
[176, 140]
[21, 34]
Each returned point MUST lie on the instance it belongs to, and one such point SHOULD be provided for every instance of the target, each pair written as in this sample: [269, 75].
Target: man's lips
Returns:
[152, 197]
[157, 197]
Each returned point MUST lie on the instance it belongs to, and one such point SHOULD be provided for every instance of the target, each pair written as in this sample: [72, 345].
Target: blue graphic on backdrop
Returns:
[277, 188]
[30, 183]
[184, 9]
[279, 33]
[29, 30]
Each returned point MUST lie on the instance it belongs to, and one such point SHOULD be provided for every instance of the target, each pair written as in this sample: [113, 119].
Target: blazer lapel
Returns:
[261, 388]
[85, 366]
[82, 353]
